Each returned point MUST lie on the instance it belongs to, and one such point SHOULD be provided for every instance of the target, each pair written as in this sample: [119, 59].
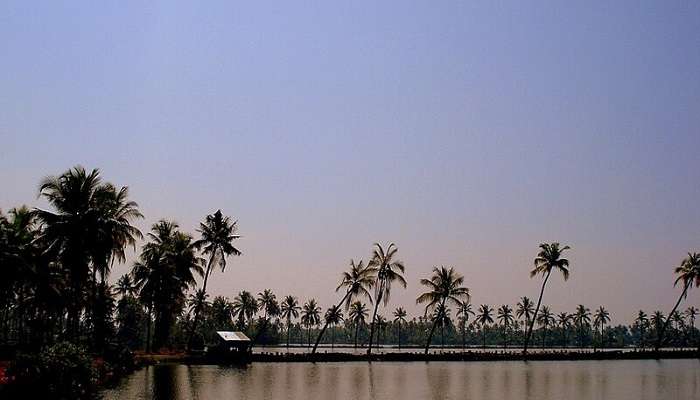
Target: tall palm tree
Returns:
[444, 286]
[692, 313]
[358, 315]
[525, 308]
[310, 316]
[484, 317]
[548, 259]
[546, 318]
[386, 271]
[642, 322]
[399, 318]
[564, 320]
[601, 317]
[356, 282]
[244, 307]
[689, 273]
[505, 316]
[290, 310]
[582, 319]
[217, 236]
[333, 317]
[465, 309]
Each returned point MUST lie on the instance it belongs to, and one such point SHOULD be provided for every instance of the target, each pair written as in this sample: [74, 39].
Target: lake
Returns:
[572, 380]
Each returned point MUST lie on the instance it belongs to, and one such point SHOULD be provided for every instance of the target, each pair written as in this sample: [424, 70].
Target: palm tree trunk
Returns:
[537, 309]
[668, 319]
[325, 325]
[199, 301]
[374, 316]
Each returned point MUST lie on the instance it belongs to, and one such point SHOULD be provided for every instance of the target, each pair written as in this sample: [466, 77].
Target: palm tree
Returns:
[505, 316]
[484, 317]
[692, 313]
[564, 320]
[399, 317]
[464, 310]
[546, 318]
[356, 282]
[444, 286]
[642, 322]
[525, 308]
[582, 318]
[310, 316]
[358, 315]
[601, 317]
[333, 317]
[441, 318]
[386, 271]
[689, 273]
[548, 259]
[217, 236]
[244, 307]
[290, 310]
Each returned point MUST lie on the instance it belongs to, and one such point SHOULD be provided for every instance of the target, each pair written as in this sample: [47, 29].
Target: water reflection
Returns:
[668, 379]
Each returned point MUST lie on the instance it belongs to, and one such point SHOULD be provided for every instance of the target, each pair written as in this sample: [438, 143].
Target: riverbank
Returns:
[560, 355]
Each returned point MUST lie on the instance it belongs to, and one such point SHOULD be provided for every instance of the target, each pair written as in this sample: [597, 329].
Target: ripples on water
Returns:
[619, 380]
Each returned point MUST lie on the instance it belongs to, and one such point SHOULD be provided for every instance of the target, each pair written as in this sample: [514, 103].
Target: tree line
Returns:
[56, 264]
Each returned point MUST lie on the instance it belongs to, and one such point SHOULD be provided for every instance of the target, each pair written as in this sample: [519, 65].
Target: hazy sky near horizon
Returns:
[466, 133]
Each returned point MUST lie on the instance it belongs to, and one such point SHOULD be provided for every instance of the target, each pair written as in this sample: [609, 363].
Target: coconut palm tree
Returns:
[642, 323]
[358, 315]
[548, 259]
[290, 310]
[600, 318]
[386, 271]
[483, 318]
[333, 317]
[465, 309]
[444, 286]
[691, 313]
[564, 320]
[217, 235]
[356, 282]
[310, 316]
[689, 273]
[441, 318]
[505, 316]
[545, 319]
[399, 318]
[582, 319]
[244, 307]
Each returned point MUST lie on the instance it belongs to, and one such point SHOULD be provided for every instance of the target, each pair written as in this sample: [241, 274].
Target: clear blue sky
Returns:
[465, 132]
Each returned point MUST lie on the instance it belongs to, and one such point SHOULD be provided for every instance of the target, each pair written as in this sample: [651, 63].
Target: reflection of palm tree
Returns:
[290, 310]
[358, 314]
[386, 271]
[505, 316]
[333, 317]
[547, 259]
[582, 318]
[546, 318]
[310, 316]
[689, 273]
[399, 318]
[218, 234]
[444, 286]
[464, 310]
[356, 282]
[642, 322]
[484, 317]
[601, 317]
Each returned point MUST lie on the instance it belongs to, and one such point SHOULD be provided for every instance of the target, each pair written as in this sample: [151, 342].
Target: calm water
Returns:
[620, 380]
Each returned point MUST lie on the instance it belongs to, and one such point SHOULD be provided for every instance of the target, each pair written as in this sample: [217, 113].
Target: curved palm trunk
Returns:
[197, 309]
[537, 309]
[374, 316]
[325, 325]
[660, 339]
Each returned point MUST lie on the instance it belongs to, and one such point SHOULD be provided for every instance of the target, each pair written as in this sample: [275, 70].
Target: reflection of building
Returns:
[232, 342]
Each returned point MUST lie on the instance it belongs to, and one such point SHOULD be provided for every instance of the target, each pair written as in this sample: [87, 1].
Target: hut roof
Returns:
[229, 336]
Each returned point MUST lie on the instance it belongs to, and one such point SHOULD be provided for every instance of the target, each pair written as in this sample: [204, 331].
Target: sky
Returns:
[465, 132]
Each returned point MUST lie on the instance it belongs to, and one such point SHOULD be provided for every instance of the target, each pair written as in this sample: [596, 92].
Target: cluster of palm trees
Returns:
[56, 264]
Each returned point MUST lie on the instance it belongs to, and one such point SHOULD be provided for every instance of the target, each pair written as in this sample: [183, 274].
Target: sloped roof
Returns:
[230, 336]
